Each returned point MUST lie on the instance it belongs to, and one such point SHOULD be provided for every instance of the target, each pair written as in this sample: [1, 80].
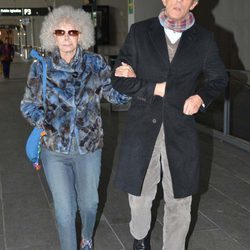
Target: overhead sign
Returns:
[10, 12]
[24, 11]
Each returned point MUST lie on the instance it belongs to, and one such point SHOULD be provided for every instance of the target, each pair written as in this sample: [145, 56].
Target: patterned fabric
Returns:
[177, 26]
[73, 97]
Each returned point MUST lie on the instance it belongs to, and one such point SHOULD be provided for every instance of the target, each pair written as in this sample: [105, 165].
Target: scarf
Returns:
[177, 26]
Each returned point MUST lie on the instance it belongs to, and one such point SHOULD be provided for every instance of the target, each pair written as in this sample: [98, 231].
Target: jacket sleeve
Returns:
[216, 78]
[130, 85]
[32, 105]
[106, 89]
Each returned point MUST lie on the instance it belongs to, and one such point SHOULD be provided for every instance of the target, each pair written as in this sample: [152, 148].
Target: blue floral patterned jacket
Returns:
[73, 97]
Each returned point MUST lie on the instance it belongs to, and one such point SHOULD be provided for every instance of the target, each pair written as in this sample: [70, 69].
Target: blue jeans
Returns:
[73, 180]
[6, 69]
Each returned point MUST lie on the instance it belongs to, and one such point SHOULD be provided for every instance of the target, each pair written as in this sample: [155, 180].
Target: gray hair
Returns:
[77, 17]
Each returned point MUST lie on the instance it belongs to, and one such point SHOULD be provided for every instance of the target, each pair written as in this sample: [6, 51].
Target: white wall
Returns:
[147, 8]
[234, 17]
[144, 10]
[230, 21]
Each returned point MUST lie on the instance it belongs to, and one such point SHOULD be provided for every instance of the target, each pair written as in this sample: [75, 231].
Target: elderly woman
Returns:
[71, 153]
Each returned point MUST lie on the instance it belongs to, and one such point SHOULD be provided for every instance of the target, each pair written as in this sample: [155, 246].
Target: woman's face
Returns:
[67, 37]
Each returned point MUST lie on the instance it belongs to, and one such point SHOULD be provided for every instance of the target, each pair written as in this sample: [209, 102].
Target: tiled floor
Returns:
[221, 218]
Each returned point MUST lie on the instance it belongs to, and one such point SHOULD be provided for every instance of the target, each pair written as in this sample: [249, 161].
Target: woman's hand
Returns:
[125, 70]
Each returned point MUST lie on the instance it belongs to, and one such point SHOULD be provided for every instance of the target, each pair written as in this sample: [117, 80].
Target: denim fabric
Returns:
[6, 69]
[73, 180]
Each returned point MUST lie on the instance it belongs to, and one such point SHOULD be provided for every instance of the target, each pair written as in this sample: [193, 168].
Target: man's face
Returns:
[178, 9]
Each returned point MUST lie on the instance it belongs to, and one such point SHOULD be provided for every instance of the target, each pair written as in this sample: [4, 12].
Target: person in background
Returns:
[158, 67]
[72, 146]
[7, 54]
[1, 66]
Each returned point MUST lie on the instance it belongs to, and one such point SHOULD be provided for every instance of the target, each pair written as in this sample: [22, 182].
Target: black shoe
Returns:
[143, 244]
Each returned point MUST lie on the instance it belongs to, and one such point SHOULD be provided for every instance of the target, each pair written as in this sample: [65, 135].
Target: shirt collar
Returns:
[172, 35]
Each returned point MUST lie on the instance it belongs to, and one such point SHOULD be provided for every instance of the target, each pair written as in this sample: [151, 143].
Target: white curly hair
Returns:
[77, 17]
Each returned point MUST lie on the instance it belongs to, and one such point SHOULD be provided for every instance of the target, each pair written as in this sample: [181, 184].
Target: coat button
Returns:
[154, 121]
[75, 74]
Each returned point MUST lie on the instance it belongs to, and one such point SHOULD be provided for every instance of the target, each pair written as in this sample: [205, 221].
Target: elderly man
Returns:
[158, 67]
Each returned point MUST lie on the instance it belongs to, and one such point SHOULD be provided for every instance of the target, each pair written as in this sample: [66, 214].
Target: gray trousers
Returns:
[176, 211]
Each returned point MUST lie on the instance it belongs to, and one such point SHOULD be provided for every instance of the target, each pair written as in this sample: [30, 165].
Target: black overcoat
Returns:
[145, 49]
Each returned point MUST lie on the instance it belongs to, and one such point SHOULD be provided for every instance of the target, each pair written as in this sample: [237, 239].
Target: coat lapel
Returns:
[186, 43]
[157, 36]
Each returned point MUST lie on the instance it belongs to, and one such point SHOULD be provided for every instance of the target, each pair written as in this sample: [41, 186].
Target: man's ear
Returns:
[195, 2]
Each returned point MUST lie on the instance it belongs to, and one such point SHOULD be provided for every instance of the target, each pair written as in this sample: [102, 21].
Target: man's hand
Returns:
[124, 70]
[192, 105]
[160, 89]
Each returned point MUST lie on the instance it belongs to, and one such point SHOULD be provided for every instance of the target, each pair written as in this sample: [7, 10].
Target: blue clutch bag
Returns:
[33, 146]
